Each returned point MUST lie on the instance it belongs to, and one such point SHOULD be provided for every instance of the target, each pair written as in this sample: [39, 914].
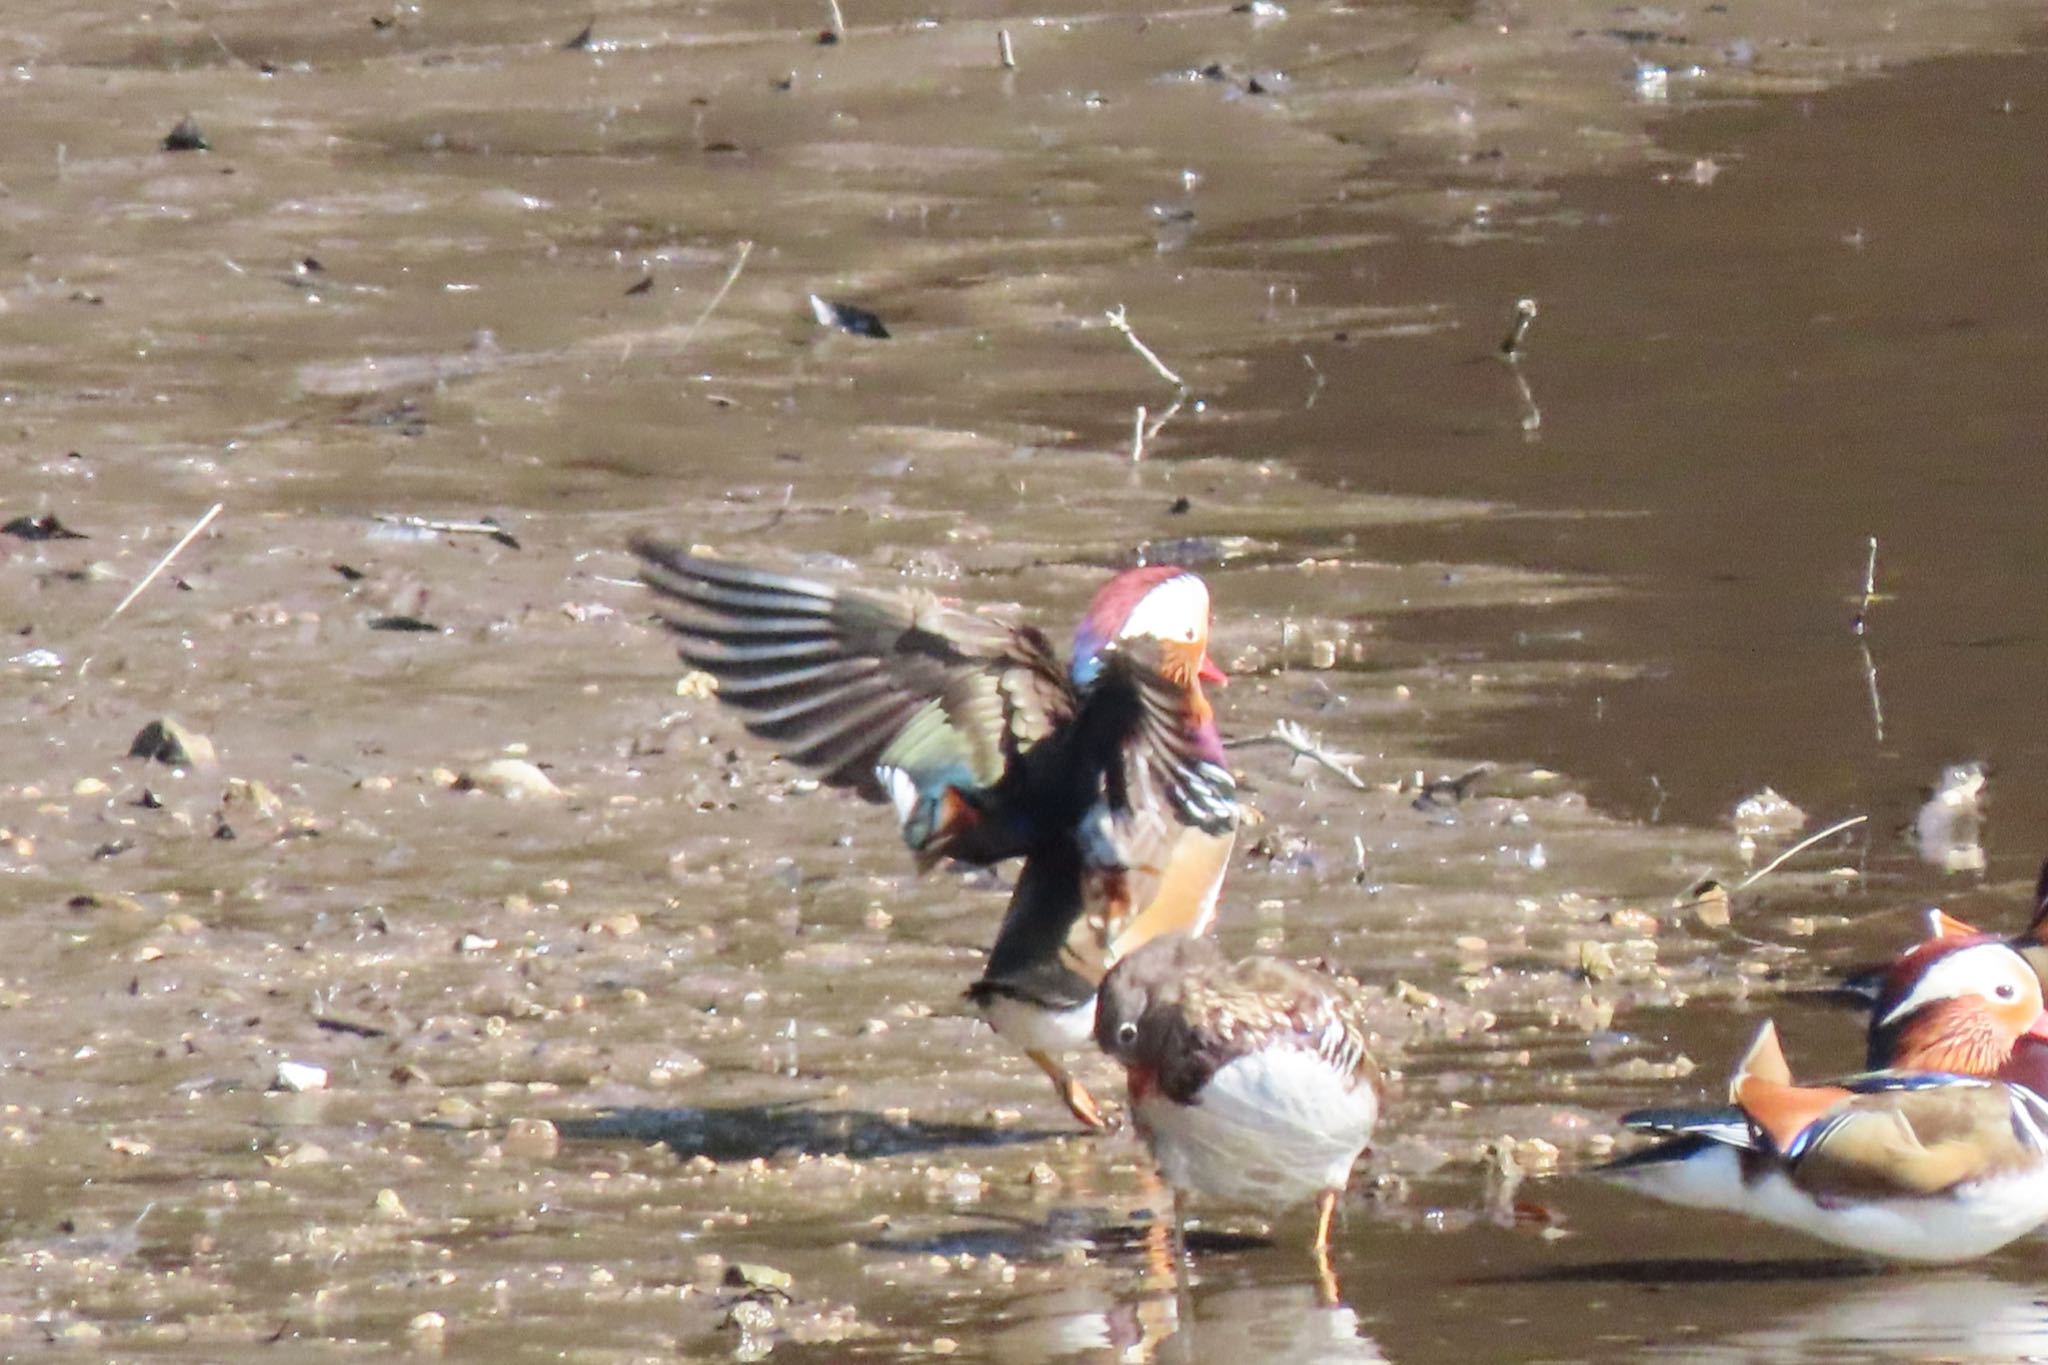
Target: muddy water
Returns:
[438, 265]
[1819, 330]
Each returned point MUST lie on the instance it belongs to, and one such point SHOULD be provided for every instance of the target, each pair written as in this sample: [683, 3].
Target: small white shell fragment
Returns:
[299, 1077]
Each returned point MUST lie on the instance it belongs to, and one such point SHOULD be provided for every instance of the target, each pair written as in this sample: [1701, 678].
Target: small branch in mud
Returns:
[1316, 389]
[838, 29]
[165, 562]
[1138, 436]
[1869, 587]
[1295, 737]
[1808, 842]
[1532, 416]
[739, 264]
[1121, 323]
[485, 527]
[219, 42]
[1870, 688]
[1005, 53]
[1173, 410]
[1518, 327]
[1859, 625]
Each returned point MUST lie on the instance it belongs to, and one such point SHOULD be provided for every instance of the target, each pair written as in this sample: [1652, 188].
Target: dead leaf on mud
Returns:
[186, 137]
[44, 527]
[167, 741]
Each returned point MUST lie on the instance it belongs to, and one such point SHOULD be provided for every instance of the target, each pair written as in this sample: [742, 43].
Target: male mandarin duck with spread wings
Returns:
[1105, 775]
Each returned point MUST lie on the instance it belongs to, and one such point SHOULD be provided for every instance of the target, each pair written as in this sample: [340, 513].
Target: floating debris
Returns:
[1948, 830]
[848, 317]
[581, 42]
[1766, 815]
[755, 1276]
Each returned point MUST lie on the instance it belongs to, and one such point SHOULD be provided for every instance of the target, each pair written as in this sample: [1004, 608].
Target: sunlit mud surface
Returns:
[654, 1049]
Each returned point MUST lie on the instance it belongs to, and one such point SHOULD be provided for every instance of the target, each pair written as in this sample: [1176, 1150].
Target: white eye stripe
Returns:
[1177, 609]
[1990, 970]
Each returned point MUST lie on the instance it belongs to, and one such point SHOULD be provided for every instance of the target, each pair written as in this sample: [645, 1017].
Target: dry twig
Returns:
[165, 562]
[1518, 327]
[739, 264]
[1294, 736]
[1808, 842]
[1121, 323]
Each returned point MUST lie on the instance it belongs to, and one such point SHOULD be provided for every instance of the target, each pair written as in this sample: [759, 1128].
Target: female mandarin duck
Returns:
[1251, 1081]
[1913, 1165]
[1106, 776]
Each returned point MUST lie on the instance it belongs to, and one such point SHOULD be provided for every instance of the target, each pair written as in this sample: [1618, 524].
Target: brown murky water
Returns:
[435, 264]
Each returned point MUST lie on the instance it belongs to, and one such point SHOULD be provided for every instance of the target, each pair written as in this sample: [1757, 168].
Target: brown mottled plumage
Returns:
[1195, 1011]
[1252, 1081]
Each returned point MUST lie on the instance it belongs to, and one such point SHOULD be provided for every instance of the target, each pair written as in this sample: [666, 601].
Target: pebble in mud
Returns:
[299, 1077]
[515, 779]
[186, 137]
[427, 1331]
[168, 741]
[532, 1139]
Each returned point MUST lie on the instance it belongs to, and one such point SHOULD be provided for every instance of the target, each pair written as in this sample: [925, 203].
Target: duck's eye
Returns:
[1127, 1032]
[2008, 992]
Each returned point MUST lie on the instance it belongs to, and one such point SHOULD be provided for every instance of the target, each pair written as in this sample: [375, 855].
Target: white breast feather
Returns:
[1271, 1128]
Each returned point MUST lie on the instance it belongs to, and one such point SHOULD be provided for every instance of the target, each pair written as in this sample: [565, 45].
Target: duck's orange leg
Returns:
[1327, 1292]
[1075, 1096]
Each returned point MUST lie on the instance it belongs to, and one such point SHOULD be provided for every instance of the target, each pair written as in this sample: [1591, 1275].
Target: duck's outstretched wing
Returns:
[942, 701]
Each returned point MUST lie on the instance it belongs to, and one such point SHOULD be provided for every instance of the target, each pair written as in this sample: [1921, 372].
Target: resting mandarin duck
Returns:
[1911, 1165]
[1106, 775]
[1251, 1081]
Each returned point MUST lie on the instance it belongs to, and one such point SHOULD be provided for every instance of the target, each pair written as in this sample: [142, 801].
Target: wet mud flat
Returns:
[634, 1042]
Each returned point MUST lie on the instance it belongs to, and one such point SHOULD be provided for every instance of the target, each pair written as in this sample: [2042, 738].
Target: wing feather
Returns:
[837, 676]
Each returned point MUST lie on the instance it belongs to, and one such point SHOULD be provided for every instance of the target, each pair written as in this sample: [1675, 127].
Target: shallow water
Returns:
[406, 281]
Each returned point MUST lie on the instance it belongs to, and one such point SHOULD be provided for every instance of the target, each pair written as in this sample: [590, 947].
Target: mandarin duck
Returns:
[1251, 1081]
[1106, 775]
[1910, 1165]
